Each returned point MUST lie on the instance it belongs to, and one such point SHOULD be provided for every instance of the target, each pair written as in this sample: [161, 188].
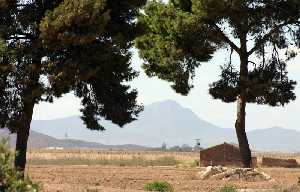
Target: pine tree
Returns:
[53, 47]
[181, 34]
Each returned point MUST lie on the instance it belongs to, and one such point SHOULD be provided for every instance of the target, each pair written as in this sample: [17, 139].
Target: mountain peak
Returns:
[169, 102]
[170, 122]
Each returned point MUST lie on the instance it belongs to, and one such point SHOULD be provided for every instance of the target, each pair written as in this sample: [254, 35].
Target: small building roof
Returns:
[225, 143]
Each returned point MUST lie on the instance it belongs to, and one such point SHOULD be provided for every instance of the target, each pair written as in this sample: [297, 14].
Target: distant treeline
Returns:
[182, 148]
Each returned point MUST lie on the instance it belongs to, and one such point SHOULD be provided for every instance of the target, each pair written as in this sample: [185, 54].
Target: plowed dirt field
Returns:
[95, 178]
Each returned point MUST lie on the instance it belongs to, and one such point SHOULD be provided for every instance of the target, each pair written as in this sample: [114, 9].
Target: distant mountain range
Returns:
[39, 140]
[165, 121]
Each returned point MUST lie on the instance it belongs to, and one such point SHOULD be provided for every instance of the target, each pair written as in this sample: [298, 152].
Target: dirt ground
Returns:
[132, 179]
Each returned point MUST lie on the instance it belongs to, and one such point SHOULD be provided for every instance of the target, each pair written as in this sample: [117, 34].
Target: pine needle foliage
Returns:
[10, 178]
[180, 35]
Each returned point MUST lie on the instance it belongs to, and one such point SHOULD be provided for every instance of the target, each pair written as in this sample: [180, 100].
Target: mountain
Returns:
[168, 122]
[160, 122]
[275, 139]
[39, 140]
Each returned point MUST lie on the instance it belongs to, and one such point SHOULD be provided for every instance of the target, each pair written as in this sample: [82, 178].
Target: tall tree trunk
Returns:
[241, 132]
[240, 125]
[22, 137]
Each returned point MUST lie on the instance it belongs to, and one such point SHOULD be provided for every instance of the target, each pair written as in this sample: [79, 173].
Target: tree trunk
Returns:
[21, 149]
[22, 138]
[241, 132]
[240, 124]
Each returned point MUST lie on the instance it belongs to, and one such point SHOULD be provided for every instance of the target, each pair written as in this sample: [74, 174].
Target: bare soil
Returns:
[95, 178]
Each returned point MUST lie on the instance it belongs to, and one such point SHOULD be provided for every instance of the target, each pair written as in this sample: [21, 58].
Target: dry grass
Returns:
[134, 161]
[112, 157]
[102, 157]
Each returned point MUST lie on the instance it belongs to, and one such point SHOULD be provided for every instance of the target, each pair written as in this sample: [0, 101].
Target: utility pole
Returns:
[198, 147]
[198, 144]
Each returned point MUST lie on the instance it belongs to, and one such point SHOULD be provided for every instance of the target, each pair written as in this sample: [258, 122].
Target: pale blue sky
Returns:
[199, 101]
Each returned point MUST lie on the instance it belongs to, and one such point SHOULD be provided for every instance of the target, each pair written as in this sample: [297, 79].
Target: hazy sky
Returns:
[199, 101]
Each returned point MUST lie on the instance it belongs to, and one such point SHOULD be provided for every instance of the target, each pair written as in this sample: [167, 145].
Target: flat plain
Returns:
[129, 172]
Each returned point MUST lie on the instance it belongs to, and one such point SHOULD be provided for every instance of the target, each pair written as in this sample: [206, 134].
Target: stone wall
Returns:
[213, 156]
[272, 162]
[232, 156]
[223, 155]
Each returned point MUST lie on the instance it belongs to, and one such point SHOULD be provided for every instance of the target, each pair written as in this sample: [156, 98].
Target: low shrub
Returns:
[10, 179]
[195, 163]
[227, 188]
[160, 186]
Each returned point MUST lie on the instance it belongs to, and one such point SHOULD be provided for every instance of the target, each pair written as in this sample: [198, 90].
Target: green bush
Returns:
[227, 188]
[195, 163]
[161, 186]
[10, 179]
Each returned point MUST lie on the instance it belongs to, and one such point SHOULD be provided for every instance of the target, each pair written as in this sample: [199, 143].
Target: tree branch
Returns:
[226, 39]
[263, 40]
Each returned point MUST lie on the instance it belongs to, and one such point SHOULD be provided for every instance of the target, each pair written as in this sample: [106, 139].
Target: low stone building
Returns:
[223, 155]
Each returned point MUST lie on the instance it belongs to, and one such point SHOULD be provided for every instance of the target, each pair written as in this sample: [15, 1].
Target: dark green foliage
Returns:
[91, 69]
[182, 33]
[53, 47]
[185, 5]
[80, 46]
[270, 84]
[174, 44]
[227, 87]
[160, 186]
[267, 84]
[98, 60]
[227, 188]
[74, 23]
[9, 177]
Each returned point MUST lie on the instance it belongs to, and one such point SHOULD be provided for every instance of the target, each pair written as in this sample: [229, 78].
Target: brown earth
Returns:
[132, 179]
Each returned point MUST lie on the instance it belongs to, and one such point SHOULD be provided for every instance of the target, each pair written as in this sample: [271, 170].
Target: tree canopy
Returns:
[52, 47]
[55, 47]
[264, 34]
[183, 33]
[90, 55]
